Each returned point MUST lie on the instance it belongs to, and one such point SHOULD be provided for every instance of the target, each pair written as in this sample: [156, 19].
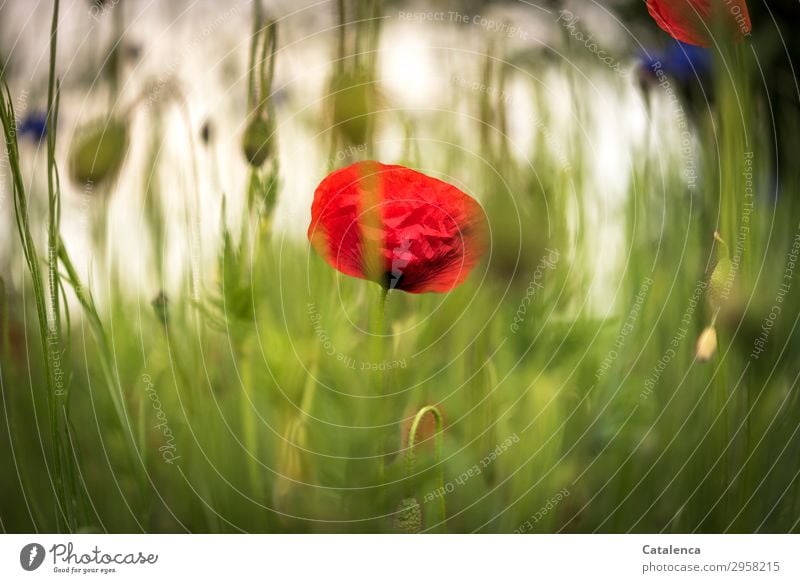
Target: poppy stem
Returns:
[382, 307]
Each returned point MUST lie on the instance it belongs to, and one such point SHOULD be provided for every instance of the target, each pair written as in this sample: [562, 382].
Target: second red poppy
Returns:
[694, 21]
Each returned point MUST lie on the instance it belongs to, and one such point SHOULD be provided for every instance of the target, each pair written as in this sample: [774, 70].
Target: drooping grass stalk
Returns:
[46, 290]
[736, 222]
[54, 192]
[411, 456]
[55, 391]
[60, 426]
[106, 357]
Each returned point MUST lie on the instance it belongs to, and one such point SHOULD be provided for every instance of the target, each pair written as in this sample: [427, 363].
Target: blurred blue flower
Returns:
[34, 125]
[681, 61]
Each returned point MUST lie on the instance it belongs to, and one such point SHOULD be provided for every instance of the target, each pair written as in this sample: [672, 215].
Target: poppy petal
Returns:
[691, 21]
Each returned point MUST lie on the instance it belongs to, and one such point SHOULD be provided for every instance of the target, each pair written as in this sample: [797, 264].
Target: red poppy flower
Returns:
[692, 21]
[396, 226]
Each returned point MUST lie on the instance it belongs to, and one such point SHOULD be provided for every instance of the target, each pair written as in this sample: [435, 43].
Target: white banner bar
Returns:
[400, 558]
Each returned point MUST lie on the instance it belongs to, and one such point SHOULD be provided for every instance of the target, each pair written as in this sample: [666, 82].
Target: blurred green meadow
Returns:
[176, 358]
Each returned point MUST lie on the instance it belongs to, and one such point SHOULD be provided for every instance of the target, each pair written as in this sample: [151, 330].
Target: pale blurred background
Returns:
[555, 89]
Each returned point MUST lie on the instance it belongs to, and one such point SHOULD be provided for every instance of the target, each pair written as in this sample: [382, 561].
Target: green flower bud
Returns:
[408, 518]
[353, 105]
[160, 307]
[98, 155]
[257, 142]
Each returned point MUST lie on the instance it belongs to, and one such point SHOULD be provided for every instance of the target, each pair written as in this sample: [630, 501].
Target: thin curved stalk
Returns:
[411, 458]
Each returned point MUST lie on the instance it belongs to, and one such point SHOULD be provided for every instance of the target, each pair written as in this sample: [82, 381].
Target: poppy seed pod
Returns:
[257, 142]
[98, 155]
[408, 517]
[353, 105]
